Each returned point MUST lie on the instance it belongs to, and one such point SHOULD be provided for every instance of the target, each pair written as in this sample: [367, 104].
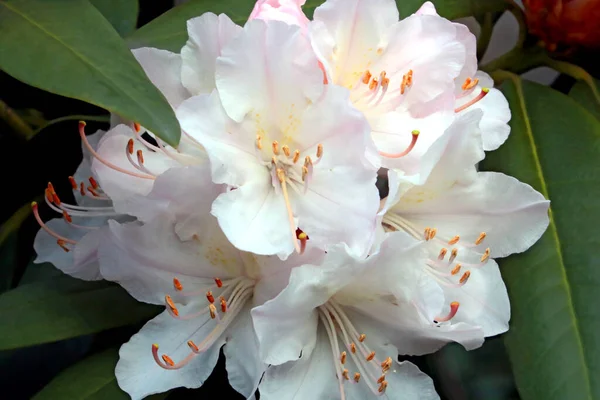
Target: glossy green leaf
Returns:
[90, 379]
[169, 30]
[553, 341]
[582, 94]
[67, 47]
[63, 308]
[122, 14]
[8, 246]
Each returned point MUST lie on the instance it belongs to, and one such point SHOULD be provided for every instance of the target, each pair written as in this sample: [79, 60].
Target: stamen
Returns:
[381, 379]
[171, 305]
[353, 348]
[356, 377]
[366, 77]
[177, 285]
[93, 182]
[286, 150]
[470, 83]
[137, 127]
[62, 244]
[193, 346]
[210, 297]
[374, 83]
[73, 183]
[456, 269]
[281, 177]
[481, 95]
[319, 150]
[62, 239]
[362, 337]
[454, 240]
[413, 142]
[223, 305]
[345, 374]
[168, 360]
[386, 364]
[343, 357]
[465, 277]
[219, 282]
[130, 146]
[382, 387]
[453, 254]
[453, 310]
[259, 142]
[482, 236]
[82, 189]
[371, 356]
[432, 233]
[140, 157]
[406, 81]
[485, 256]
[275, 147]
[426, 233]
[89, 147]
[213, 311]
[442, 254]
[296, 156]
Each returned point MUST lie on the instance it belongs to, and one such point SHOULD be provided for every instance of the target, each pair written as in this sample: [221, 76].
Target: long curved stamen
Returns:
[481, 95]
[36, 214]
[330, 328]
[89, 147]
[453, 310]
[281, 177]
[413, 142]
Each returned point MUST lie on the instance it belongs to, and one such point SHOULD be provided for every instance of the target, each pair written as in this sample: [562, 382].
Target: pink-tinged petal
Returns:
[288, 11]
[254, 218]
[358, 28]
[310, 377]
[483, 300]
[164, 70]
[120, 186]
[469, 69]
[138, 374]
[512, 214]
[144, 259]
[270, 70]
[230, 146]
[208, 34]
[244, 367]
[82, 260]
[427, 9]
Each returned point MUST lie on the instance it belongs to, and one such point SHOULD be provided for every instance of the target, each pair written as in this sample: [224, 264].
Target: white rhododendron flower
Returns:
[347, 319]
[208, 287]
[466, 218]
[294, 153]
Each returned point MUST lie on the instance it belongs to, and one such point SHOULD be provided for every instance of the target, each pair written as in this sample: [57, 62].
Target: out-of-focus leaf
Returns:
[67, 47]
[169, 30]
[14, 222]
[39, 272]
[63, 308]
[8, 244]
[582, 94]
[122, 14]
[90, 379]
[553, 341]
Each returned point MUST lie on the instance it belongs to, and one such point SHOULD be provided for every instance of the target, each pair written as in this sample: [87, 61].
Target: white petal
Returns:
[244, 367]
[483, 300]
[82, 261]
[145, 259]
[358, 28]
[427, 9]
[310, 377]
[208, 34]
[164, 70]
[268, 69]
[469, 69]
[512, 214]
[138, 374]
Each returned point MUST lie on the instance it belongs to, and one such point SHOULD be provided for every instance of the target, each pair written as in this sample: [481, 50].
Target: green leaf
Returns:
[169, 30]
[8, 246]
[553, 341]
[64, 308]
[582, 94]
[90, 379]
[122, 14]
[67, 47]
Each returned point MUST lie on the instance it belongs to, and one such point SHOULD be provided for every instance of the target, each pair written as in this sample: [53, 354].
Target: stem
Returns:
[98, 118]
[15, 122]
[576, 72]
[487, 27]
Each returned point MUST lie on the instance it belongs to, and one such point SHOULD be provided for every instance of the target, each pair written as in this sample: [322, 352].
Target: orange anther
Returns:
[73, 182]
[362, 337]
[223, 305]
[51, 187]
[137, 126]
[177, 285]
[356, 377]
[371, 356]
[82, 189]
[373, 84]
[213, 310]
[48, 194]
[485, 256]
[345, 374]
[296, 156]
[319, 150]
[381, 379]
[210, 297]
[382, 386]
[442, 254]
[465, 277]
[432, 233]
[470, 83]
[140, 156]
[453, 254]
[426, 233]
[55, 199]
[275, 146]
[67, 216]
[93, 182]
[386, 364]
[353, 348]
[168, 360]
[130, 146]
[366, 77]
[193, 346]
[63, 245]
[456, 269]
[286, 150]
[454, 240]
[218, 282]
[482, 236]
[343, 357]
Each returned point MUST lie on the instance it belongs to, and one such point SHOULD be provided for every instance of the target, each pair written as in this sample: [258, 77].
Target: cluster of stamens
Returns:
[467, 87]
[222, 309]
[341, 332]
[286, 171]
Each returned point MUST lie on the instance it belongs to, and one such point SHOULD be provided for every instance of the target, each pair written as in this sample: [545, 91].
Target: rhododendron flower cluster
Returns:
[263, 232]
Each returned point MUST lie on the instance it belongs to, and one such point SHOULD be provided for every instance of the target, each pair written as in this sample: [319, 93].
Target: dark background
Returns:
[54, 154]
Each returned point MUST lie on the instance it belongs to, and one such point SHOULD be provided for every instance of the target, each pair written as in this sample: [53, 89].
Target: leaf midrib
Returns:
[552, 228]
[77, 54]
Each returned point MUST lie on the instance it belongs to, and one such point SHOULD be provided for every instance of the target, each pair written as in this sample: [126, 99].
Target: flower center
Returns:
[342, 333]
[230, 296]
[286, 172]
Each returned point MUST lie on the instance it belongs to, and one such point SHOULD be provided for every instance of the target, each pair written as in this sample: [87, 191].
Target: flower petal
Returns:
[244, 367]
[138, 374]
[145, 259]
[268, 69]
[288, 11]
[208, 34]
[512, 214]
[164, 70]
